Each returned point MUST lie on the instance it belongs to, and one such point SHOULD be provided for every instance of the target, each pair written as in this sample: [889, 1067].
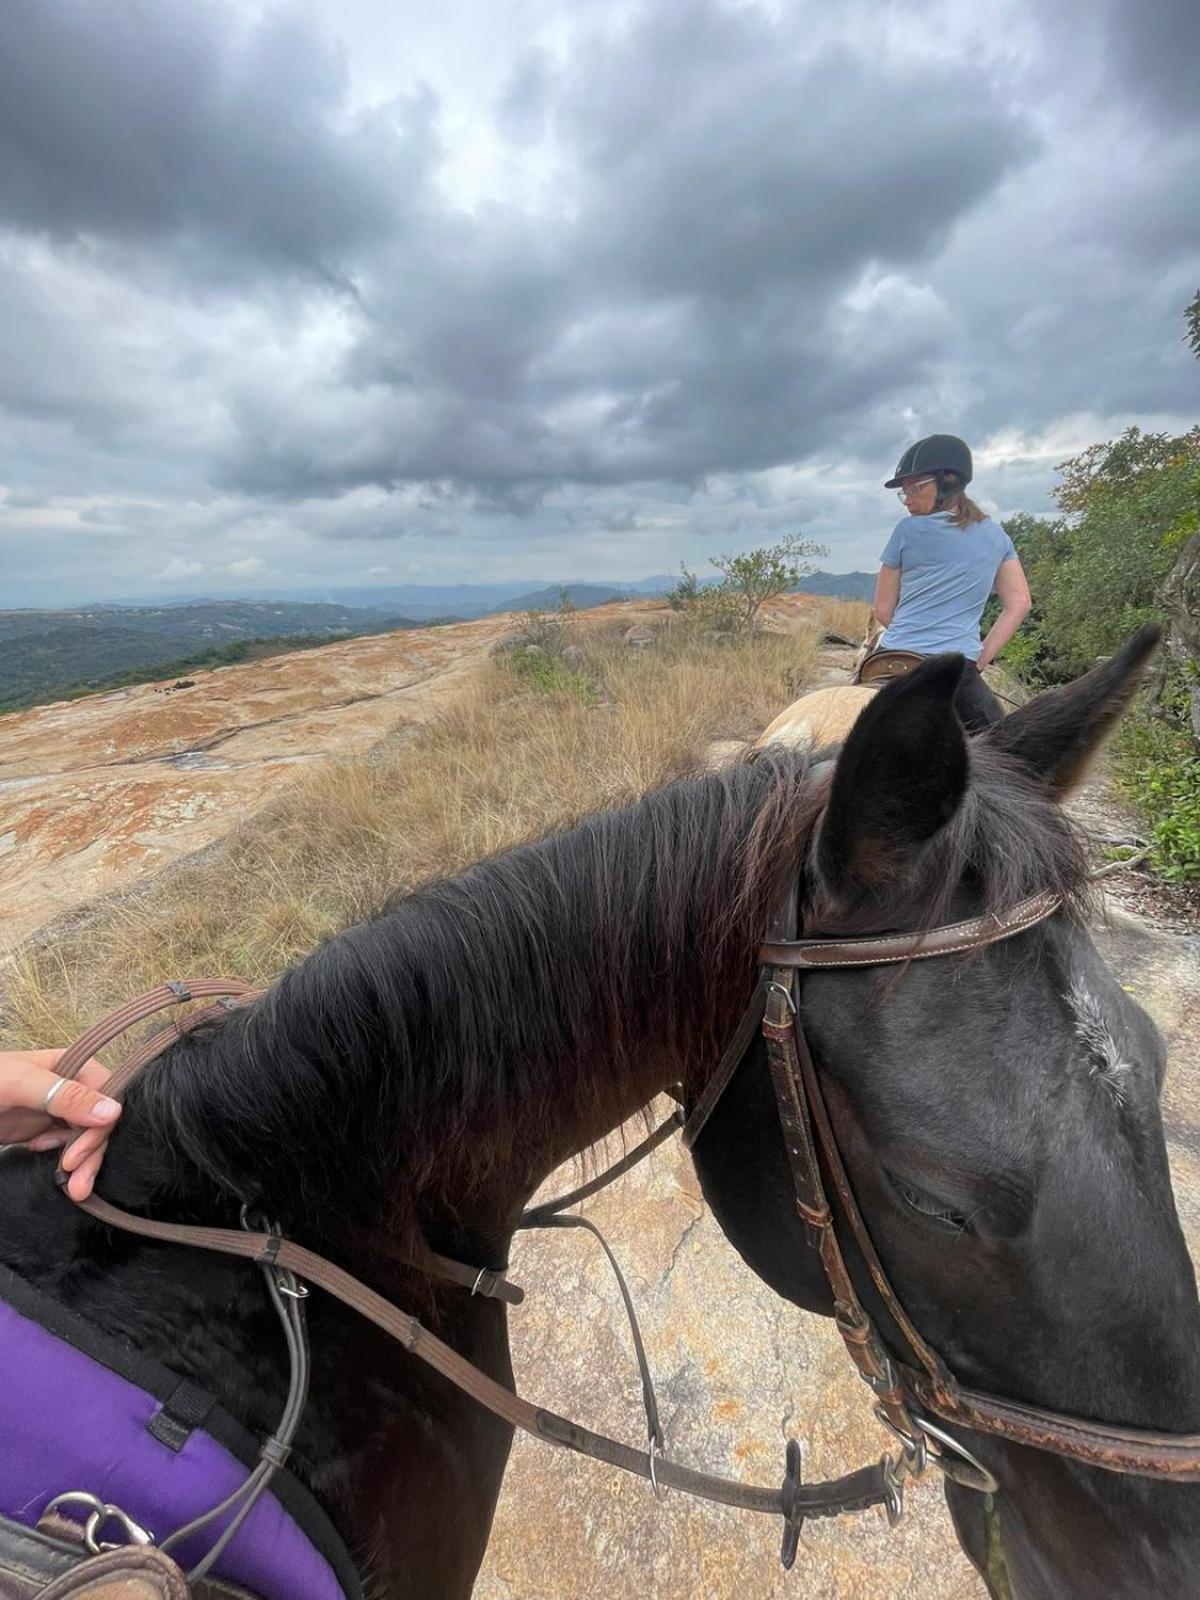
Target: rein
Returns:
[904, 1391]
[289, 1268]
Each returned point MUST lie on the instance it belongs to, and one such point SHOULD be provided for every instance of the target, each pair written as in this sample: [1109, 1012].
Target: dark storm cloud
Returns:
[185, 126]
[673, 322]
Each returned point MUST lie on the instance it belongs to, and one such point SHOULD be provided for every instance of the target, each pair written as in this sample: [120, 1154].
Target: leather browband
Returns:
[951, 939]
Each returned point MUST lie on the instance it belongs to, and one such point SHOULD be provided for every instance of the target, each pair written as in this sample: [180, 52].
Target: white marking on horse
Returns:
[1106, 1060]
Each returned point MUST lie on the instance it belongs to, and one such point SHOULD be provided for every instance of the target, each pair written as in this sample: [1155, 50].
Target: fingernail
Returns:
[106, 1109]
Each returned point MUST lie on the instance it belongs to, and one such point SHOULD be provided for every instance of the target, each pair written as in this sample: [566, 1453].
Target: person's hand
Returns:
[27, 1082]
[981, 662]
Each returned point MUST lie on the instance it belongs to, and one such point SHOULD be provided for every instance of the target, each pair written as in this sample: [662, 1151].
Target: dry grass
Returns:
[505, 764]
[847, 617]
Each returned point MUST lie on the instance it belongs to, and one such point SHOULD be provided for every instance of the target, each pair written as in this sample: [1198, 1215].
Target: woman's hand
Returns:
[43, 1111]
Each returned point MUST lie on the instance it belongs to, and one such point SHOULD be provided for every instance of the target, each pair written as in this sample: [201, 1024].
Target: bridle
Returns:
[906, 1390]
[908, 1393]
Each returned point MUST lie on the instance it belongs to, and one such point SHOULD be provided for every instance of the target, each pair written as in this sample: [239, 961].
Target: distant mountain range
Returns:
[46, 655]
[464, 600]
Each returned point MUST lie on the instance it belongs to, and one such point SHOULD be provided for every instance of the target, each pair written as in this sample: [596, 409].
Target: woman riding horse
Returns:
[939, 567]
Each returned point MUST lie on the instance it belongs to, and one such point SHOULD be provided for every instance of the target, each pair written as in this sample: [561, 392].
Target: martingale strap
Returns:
[855, 1491]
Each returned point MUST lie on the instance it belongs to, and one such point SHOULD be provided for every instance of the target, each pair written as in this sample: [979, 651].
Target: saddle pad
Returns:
[69, 1423]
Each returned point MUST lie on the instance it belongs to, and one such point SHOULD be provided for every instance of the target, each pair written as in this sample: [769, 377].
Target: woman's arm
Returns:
[1013, 588]
[887, 594]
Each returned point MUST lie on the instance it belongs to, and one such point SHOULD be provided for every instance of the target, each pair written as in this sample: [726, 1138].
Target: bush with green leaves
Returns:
[540, 658]
[1158, 772]
[1129, 506]
[1124, 551]
[748, 581]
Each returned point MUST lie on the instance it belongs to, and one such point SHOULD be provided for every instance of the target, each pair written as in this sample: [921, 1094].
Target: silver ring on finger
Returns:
[59, 1083]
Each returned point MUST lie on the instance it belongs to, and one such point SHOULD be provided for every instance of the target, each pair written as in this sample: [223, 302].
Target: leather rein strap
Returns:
[875, 1485]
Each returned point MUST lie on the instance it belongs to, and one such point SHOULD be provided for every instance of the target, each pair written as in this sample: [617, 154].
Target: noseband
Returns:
[908, 1391]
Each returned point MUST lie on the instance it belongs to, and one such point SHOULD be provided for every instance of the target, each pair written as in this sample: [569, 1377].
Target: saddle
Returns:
[877, 666]
[49, 1563]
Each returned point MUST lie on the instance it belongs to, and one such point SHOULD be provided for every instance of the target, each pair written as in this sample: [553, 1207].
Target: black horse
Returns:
[415, 1080]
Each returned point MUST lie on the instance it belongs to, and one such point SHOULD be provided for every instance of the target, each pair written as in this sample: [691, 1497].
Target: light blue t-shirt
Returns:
[946, 576]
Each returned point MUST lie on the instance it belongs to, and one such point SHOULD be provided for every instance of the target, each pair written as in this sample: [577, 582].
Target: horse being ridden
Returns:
[417, 1077]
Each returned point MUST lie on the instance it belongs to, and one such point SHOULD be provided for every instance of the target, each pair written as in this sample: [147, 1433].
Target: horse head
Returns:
[998, 1117]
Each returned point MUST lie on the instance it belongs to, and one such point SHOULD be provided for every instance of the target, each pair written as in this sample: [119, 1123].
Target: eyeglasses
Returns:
[914, 488]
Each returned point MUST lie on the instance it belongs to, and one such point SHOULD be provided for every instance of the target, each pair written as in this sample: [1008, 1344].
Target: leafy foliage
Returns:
[545, 658]
[748, 581]
[1126, 550]
[1158, 771]
[1129, 506]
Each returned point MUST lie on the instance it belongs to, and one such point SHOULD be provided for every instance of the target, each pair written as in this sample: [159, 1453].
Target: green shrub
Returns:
[748, 580]
[1158, 772]
[548, 674]
[545, 659]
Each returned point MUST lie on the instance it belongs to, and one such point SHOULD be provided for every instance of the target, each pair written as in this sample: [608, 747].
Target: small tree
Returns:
[685, 595]
[1191, 318]
[1179, 591]
[757, 576]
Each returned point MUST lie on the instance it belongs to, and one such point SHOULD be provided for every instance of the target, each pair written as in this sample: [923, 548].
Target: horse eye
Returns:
[927, 1206]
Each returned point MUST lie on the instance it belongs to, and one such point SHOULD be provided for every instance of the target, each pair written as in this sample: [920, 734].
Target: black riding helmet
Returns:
[940, 452]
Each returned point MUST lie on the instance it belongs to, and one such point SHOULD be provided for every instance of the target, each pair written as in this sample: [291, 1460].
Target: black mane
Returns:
[463, 1023]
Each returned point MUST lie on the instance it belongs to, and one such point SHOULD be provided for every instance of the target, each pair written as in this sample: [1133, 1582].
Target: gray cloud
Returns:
[1154, 49]
[685, 272]
[207, 134]
[678, 323]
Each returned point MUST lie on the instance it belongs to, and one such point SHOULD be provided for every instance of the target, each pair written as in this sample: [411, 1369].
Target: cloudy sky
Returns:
[359, 292]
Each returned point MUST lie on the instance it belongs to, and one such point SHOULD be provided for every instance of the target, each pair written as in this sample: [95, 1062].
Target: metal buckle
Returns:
[885, 1385]
[100, 1512]
[785, 992]
[893, 1484]
[966, 1469]
[655, 1450]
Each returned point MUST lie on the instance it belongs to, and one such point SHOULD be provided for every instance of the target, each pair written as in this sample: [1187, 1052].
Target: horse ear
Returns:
[1057, 734]
[899, 779]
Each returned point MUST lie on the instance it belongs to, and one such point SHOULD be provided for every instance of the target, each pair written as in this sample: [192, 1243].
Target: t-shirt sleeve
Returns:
[1008, 550]
[894, 549]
